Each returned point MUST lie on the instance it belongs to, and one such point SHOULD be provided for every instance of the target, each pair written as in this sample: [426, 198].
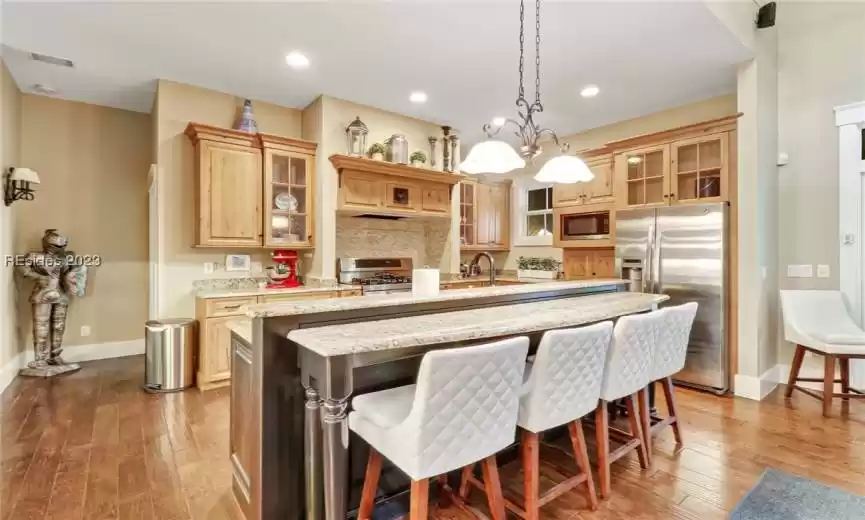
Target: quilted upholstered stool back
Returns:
[566, 376]
[672, 342]
[629, 361]
[465, 406]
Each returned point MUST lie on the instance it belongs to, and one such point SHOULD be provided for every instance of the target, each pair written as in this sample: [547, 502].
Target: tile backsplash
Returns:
[423, 241]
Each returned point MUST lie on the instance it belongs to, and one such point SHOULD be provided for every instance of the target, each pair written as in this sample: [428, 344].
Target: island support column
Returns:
[312, 455]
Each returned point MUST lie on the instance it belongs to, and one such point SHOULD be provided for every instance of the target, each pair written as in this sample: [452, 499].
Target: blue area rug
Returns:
[782, 496]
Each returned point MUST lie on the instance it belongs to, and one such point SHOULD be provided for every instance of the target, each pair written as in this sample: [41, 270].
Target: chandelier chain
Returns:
[521, 93]
[538, 55]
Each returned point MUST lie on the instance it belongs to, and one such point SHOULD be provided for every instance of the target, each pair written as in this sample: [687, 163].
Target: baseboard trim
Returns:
[74, 354]
[757, 388]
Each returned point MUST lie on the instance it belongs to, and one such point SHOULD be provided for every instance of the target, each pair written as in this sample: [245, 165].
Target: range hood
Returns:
[369, 188]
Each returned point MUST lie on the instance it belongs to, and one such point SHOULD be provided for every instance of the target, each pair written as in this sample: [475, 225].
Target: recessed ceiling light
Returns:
[590, 91]
[296, 60]
[39, 88]
[418, 97]
[499, 121]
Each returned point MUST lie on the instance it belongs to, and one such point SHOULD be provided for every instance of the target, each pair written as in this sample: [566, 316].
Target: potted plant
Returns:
[376, 151]
[418, 159]
[534, 267]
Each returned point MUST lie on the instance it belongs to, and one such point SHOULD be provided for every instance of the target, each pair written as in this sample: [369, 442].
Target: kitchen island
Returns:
[296, 364]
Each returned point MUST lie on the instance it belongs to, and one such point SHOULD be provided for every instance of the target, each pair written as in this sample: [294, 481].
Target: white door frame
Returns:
[850, 120]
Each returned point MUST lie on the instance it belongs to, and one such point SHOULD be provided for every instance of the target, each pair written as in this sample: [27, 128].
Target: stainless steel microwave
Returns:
[585, 226]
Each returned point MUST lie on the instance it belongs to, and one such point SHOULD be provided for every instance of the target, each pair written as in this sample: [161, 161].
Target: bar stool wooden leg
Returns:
[672, 408]
[465, 484]
[828, 384]
[646, 421]
[493, 487]
[419, 499]
[602, 433]
[798, 357]
[530, 451]
[370, 485]
[845, 376]
[581, 454]
[636, 430]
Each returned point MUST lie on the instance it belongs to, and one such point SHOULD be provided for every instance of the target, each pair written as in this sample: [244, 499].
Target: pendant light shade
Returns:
[492, 156]
[565, 169]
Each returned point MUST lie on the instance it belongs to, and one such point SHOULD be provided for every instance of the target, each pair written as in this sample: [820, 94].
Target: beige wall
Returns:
[679, 116]
[177, 105]
[93, 163]
[10, 149]
[820, 66]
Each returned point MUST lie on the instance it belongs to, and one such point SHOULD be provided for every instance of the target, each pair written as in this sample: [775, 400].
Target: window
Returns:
[534, 215]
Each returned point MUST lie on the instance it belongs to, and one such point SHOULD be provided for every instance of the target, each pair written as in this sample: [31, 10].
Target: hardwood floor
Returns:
[92, 445]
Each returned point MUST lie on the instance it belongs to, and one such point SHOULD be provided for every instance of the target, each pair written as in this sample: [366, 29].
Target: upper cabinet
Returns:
[289, 179]
[699, 171]
[644, 177]
[597, 191]
[252, 190]
[485, 215]
[228, 187]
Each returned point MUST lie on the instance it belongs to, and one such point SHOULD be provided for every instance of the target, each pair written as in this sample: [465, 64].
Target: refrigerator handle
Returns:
[656, 264]
[647, 264]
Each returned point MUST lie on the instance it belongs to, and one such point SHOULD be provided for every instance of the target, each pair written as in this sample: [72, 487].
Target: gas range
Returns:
[376, 275]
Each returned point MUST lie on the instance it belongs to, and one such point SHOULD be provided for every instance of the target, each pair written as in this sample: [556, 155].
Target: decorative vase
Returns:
[378, 156]
[246, 121]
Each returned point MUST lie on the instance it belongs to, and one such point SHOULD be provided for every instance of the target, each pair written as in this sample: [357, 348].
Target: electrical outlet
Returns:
[822, 271]
[208, 267]
[85, 331]
[800, 271]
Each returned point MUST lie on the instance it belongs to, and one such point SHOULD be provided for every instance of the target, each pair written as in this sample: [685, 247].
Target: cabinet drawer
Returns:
[227, 306]
[275, 298]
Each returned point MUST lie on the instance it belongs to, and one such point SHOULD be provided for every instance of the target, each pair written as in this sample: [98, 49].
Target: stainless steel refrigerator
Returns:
[682, 251]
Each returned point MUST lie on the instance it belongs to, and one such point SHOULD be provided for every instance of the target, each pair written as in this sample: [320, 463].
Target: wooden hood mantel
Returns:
[364, 165]
[378, 188]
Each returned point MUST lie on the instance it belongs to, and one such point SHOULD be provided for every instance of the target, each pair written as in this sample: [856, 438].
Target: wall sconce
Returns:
[18, 181]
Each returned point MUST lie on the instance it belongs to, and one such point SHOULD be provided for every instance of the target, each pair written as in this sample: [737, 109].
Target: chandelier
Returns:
[497, 156]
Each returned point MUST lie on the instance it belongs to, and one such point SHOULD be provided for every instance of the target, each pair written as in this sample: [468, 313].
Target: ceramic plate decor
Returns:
[285, 201]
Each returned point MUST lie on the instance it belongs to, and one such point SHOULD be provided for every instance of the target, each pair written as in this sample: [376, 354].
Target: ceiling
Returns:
[645, 56]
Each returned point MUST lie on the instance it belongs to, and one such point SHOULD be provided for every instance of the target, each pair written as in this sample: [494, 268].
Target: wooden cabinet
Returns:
[699, 169]
[597, 191]
[360, 192]
[579, 264]
[289, 187]
[643, 176]
[485, 216]
[242, 442]
[228, 186]
[252, 190]
[214, 362]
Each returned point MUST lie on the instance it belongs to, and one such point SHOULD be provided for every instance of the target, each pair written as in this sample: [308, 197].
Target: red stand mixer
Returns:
[284, 273]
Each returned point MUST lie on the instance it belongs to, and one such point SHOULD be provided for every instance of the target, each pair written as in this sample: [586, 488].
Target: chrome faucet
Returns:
[492, 265]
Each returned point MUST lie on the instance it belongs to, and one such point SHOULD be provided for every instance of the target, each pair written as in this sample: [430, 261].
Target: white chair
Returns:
[562, 385]
[670, 351]
[462, 410]
[626, 375]
[817, 321]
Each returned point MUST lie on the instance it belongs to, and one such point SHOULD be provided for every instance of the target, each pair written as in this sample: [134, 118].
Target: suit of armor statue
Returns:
[57, 276]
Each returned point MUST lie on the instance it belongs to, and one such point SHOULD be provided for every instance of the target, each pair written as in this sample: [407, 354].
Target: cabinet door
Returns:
[500, 214]
[468, 214]
[603, 263]
[361, 193]
[242, 439]
[567, 194]
[601, 188]
[288, 185]
[436, 200]
[699, 169]
[215, 355]
[642, 178]
[485, 214]
[229, 195]
[576, 264]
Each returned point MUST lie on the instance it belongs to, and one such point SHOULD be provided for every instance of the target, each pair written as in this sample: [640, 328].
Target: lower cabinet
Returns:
[242, 444]
[589, 263]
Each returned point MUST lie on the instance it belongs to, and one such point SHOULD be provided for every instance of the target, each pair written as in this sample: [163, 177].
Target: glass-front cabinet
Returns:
[468, 214]
[288, 192]
[699, 169]
[645, 173]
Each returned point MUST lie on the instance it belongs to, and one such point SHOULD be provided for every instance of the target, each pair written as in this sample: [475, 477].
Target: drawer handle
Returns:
[232, 307]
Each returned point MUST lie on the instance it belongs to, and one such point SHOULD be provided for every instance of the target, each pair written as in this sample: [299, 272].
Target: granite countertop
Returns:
[268, 310]
[242, 327]
[507, 276]
[258, 291]
[475, 324]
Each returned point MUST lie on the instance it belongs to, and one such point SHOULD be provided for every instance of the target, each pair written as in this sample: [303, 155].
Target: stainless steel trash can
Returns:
[169, 354]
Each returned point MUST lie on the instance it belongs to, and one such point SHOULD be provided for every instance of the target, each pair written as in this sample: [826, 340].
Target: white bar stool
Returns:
[626, 374]
[562, 386]
[462, 410]
[670, 352]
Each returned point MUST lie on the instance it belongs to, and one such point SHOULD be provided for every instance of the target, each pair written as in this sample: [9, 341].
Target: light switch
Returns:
[800, 271]
[822, 271]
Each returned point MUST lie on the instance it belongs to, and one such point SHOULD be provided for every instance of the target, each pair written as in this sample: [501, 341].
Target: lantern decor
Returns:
[355, 134]
[432, 151]
[246, 121]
